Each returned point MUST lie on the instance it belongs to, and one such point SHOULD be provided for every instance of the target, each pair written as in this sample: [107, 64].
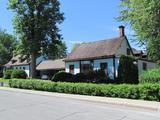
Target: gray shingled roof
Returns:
[51, 65]
[97, 49]
[16, 61]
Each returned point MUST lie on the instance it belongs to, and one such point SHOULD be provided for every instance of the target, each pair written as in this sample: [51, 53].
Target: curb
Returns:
[147, 105]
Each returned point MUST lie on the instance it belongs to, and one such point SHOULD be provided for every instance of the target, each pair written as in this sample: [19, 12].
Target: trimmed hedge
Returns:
[19, 74]
[7, 74]
[141, 91]
[151, 76]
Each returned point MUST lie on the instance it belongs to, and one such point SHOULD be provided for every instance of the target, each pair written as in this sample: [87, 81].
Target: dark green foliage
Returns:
[1, 72]
[97, 76]
[141, 91]
[62, 76]
[19, 74]
[151, 76]
[91, 76]
[79, 77]
[36, 24]
[127, 70]
[143, 17]
[7, 74]
[101, 77]
[7, 45]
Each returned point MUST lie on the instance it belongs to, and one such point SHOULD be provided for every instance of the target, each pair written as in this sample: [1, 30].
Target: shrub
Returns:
[7, 74]
[140, 91]
[19, 74]
[79, 77]
[62, 76]
[101, 77]
[151, 76]
[98, 76]
[127, 70]
[91, 76]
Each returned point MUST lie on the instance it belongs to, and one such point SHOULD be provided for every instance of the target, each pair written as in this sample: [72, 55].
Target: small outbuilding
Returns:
[48, 68]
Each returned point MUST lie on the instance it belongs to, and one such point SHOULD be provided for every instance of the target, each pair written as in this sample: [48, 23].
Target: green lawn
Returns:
[4, 80]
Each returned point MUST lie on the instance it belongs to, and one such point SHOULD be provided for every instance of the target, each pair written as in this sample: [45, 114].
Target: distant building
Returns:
[19, 62]
[49, 67]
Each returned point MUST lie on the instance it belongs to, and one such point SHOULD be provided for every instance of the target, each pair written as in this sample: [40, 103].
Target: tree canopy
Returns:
[7, 45]
[143, 16]
[36, 24]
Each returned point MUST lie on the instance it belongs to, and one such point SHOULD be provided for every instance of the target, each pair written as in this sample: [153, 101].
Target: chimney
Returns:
[121, 31]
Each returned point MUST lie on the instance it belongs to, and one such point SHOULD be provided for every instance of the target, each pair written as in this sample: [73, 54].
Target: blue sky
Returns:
[86, 20]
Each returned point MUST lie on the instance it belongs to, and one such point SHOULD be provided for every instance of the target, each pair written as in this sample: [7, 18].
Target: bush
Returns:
[127, 70]
[98, 76]
[151, 76]
[91, 76]
[19, 74]
[7, 74]
[62, 76]
[141, 91]
[79, 77]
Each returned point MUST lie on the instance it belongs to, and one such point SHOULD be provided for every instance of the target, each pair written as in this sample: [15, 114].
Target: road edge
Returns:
[147, 105]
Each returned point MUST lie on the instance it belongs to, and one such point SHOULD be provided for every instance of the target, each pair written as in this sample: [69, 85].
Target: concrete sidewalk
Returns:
[148, 105]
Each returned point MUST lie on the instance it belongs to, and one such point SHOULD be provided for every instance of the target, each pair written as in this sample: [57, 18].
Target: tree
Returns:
[127, 70]
[61, 51]
[7, 45]
[143, 16]
[36, 24]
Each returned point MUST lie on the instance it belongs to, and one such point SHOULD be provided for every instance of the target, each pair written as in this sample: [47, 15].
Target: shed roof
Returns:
[51, 65]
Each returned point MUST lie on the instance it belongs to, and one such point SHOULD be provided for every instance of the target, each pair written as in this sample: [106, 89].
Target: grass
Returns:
[4, 80]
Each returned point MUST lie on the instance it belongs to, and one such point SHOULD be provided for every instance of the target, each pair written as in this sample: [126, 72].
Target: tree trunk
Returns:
[33, 65]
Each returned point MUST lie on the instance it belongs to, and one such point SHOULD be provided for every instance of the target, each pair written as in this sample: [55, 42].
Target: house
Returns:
[19, 62]
[142, 60]
[49, 67]
[105, 55]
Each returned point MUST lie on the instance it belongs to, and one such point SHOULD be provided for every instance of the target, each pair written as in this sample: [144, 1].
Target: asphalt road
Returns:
[20, 106]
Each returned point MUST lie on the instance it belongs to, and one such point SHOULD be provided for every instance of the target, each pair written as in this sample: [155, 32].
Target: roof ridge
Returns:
[110, 39]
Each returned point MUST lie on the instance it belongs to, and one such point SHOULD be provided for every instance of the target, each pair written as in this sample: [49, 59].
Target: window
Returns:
[144, 66]
[104, 66]
[71, 69]
[128, 51]
[24, 68]
[19, 67]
